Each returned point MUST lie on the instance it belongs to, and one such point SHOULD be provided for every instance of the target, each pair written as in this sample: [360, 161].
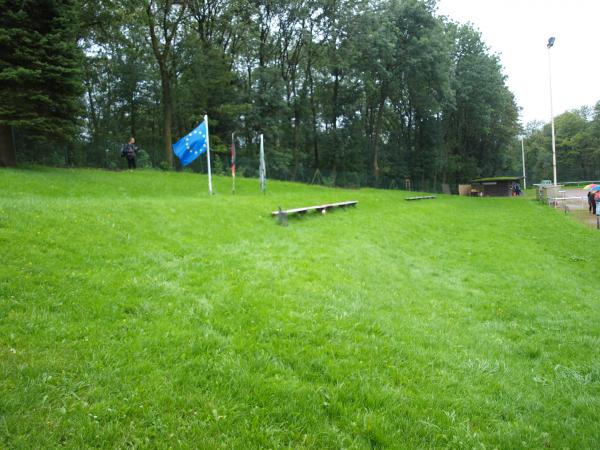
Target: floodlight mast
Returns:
[549, 46]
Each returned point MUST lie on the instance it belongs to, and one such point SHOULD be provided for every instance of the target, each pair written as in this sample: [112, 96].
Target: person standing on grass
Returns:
[517, 189]
[129, 151]
[591, 203]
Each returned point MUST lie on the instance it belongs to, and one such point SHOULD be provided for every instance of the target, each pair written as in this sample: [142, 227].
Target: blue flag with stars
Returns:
[189, 147]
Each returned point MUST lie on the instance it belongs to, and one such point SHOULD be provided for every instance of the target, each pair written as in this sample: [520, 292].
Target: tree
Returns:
[481, 122]
[40, 72]
[366, 91]
[164, 18]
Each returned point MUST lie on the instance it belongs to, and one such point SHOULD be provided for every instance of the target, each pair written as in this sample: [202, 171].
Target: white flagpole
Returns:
[210, 190]
[233, 158]
[262, 168]
[523, 155]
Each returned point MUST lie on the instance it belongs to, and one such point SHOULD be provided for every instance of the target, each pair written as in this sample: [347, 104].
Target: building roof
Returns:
[484, 180]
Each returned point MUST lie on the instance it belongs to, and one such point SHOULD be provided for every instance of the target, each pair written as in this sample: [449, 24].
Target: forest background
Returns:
[361, 93]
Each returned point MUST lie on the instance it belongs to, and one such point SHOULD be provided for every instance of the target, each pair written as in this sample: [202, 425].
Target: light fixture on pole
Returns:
[550, 44]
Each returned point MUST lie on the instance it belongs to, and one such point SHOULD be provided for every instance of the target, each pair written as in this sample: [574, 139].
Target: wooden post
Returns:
[282, 217]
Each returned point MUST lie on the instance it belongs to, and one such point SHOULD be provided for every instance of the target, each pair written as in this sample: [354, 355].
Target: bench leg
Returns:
[282, 218]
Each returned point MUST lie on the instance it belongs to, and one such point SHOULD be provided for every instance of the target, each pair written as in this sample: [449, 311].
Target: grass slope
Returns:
[137, 311]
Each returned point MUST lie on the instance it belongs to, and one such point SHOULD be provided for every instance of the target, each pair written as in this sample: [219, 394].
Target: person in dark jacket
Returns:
[129, 151]
[591, 202]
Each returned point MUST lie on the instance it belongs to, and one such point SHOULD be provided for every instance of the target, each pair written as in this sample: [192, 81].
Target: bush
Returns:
[164, 165]
[56, 159]
[143, 160]
[329, 181]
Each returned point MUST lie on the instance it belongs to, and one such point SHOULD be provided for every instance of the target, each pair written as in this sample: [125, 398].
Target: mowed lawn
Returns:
[136, 311]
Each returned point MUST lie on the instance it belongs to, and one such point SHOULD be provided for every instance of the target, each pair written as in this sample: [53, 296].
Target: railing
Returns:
[577, 183]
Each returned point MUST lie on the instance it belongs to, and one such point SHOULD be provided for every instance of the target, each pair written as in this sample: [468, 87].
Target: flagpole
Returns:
[523, 155]
[210, 190]
[233, 160]
[262, 169]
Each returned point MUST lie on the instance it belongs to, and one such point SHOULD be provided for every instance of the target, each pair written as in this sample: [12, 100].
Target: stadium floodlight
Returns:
[549, 46]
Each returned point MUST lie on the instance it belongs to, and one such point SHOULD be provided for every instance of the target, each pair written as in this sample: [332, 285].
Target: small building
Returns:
[494, 187]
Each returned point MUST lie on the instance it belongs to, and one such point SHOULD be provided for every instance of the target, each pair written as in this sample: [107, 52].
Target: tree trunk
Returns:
[377, 132]
[313, 110]
[132, 115]
[162, 52]
[93, 112]
[8, 157]
[167, 115]
[336, 90]
[295, 137]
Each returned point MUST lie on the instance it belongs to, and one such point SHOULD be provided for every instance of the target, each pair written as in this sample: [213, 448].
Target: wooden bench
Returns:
[424, 197]
[283, 214]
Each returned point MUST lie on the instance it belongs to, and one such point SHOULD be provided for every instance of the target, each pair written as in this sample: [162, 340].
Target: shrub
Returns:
[164, 165]
[143, 160]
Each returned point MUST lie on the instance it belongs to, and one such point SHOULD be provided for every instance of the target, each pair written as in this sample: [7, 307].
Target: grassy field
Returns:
[138, 312]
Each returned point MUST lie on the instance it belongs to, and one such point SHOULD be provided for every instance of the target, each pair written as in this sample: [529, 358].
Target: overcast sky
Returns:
[518, 30]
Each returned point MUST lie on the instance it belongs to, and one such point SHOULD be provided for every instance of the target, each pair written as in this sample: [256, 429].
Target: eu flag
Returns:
[189, 147]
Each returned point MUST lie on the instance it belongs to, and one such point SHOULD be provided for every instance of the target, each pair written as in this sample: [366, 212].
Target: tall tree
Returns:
[40, 72]
[164, 19]
[480, 123]
[368, 92]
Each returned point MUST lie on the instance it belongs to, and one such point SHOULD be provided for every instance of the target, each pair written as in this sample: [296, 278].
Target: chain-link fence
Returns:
[279, 166]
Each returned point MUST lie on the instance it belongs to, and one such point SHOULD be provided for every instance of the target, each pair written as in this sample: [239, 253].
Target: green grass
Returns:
[138, 312]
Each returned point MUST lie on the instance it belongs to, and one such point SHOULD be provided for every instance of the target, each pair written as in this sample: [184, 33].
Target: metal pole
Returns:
[262, 167]
[210, 190]
[233, 158]
[552, 116]
[523, 155]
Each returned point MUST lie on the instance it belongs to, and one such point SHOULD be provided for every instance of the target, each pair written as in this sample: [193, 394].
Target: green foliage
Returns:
[165, 166]
[381, 90]
[40, 69]
[143, 160]
[482, 120]
[217, 165]
[138, 311]
[387, 90]
[56, 160]
[577, 147]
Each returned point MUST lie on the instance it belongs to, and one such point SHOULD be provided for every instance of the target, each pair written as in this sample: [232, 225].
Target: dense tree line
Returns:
[577, 136]
[367, 92]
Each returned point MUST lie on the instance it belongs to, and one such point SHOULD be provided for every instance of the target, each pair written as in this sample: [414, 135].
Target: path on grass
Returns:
[579, 208]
